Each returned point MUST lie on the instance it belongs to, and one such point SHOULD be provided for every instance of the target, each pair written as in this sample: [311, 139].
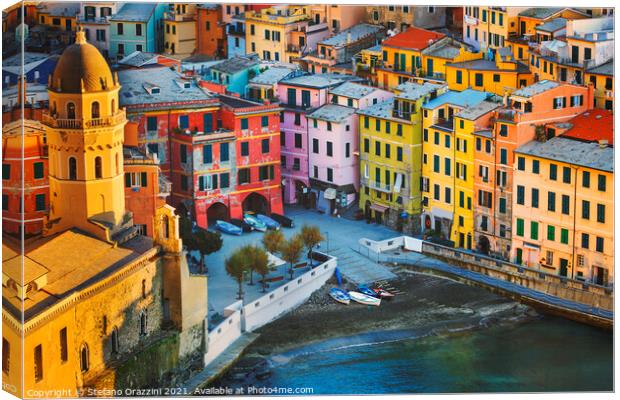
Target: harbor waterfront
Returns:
[439, 337]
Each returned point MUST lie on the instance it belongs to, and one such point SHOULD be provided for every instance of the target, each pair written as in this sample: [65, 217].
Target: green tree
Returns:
[236, 265]
[258, 261]
[197, 239]
[291, 251]
[311, 236]
[272, 241]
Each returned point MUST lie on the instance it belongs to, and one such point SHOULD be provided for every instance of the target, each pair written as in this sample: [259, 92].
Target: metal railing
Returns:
[68, 123]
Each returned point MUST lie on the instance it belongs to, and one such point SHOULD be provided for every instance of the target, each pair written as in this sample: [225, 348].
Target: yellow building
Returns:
[61, 16]
[87, 297]
[390, 157]
[180, 30]
[418, 55]
[489, 27]
[282, 33]
[563, 209]
[503, 75]
[449, 122]
[532, 18]
[602, 78]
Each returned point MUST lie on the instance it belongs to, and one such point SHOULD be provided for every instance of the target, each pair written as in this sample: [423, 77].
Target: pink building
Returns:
[334, 145]
[300, 96]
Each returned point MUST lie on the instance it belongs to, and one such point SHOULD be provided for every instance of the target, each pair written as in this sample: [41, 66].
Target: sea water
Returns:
[546, 354]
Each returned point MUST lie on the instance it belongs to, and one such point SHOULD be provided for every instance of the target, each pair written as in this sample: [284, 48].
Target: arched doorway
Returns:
[217, 211]
[484, 246]
[256, 203]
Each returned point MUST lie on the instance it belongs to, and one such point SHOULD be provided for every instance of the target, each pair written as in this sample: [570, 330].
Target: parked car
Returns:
[283, 220]
[241, 224]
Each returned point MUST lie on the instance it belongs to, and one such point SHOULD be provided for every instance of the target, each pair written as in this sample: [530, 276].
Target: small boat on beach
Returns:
[254, 222]
[241, 224]
[364, 299]
[228, 228]
[367, 291]
[271, 223]
[340, 295]
[384, 294]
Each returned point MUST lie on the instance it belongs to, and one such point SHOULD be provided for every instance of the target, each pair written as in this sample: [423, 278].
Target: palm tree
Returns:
[291, 251]
[236, 265]
[311, 236]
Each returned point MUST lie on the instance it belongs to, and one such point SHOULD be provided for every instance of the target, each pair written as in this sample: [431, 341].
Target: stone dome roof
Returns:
[81, 62]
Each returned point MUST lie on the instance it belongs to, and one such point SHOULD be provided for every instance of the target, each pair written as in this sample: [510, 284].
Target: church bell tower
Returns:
[84, 129]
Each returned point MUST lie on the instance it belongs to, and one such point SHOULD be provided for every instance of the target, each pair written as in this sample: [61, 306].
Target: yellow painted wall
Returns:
[498, 82]
[601, 93]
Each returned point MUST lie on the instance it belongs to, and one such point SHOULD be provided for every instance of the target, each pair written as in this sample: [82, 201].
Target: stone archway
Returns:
[217, 211]
[256, 203]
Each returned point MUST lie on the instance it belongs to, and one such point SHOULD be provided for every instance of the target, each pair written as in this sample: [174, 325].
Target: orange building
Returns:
[210, 31]
[521, 120]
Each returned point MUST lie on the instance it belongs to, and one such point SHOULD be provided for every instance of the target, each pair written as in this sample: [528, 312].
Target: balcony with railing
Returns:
[382, 187]
[67, 123]
[444, 124]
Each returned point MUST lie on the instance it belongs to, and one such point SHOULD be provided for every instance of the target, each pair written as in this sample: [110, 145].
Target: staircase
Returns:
[358, 268]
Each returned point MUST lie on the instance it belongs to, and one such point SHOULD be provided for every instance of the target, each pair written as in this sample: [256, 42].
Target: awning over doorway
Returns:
[330, 193]
[378, 207]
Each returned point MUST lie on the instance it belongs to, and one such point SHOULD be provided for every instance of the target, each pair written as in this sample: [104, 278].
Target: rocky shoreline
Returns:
[425, 302]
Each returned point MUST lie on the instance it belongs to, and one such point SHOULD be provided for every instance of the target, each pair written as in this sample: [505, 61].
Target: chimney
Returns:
[348, 37]
[603, 143]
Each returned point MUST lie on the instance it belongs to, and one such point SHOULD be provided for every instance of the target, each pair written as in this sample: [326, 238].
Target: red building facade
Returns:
[35, 186]
[210, 31]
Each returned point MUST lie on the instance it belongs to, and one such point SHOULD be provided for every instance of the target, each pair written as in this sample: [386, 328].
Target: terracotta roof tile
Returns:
[413, 38]
[592, 126]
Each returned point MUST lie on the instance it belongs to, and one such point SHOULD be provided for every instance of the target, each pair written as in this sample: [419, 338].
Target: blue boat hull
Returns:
[271, 223]
[228, 228]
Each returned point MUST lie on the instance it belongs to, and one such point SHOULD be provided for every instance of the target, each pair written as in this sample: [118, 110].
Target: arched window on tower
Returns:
[72, 168]
[165, 226]
[143, 322]
[94, 110]
[84, 362]
[116, 160]
[112, 108]
[71, 111]
[98, 167]
[114, 340]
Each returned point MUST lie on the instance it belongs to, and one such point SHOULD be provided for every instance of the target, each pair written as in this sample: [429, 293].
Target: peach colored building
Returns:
[521, 120]
[563, 209]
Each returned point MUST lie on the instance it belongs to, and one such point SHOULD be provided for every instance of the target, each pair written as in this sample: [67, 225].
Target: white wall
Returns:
[224, 334]
[283, 299]
[406, 242]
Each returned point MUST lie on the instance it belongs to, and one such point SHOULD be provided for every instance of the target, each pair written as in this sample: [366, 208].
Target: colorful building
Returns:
[299, 96]
[160, 100]
[333, 135]
[94, 19]
[136, 27]
[391, 157]
[180, 29]
[235, 73]
[602, 78]
[503, 75]
[96, 292]
[235, 169]
[264, 86]
[61, 16]
[487, 28]
[283, 33]
[520, 120]
[448, 124]
[563, 211]
[400, 18]
[211, 39]
[25, 135]
[418, 55]
[531, 19]
[589, 43]
[235, 32]
[337, 17]
[338, 50]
